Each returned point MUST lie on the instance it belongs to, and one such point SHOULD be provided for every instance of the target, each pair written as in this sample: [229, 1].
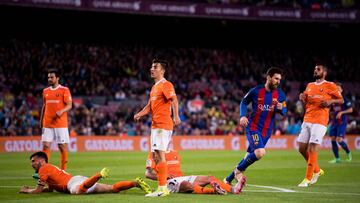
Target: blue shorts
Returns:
[337, 131]
[256, 140]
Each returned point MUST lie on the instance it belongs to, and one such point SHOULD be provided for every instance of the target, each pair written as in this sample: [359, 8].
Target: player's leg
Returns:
[256, 151]
[317, 134]
[47, 137]
[342, 143]
[88, 183]
[195, 185]
[334, 146]
[303, 140]
[160, 142]
[62, 138]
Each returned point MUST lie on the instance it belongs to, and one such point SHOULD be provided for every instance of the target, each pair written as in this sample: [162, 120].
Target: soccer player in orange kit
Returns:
[57, 102]
[318, 98]
[178, 183]
[53, 178]
[162, 105]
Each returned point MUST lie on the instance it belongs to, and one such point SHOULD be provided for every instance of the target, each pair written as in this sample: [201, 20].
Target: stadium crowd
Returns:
[307, 4]
[110, 82]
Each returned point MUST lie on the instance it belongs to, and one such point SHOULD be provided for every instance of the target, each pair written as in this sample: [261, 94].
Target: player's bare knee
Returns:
[333, 138]
[46, 145]
[259, 153]
[339, 139]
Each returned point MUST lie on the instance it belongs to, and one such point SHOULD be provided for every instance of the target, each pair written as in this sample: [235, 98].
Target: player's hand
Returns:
[177, 120]
[59, 113]
[24, 189]
[302, 97]
[244, 121]
[279, 106]
[338, 116]
[325, 103]
[137, 117]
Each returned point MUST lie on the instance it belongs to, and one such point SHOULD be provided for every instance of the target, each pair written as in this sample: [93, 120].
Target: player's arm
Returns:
[39, 189]
[281, 104]
[67, 107]
[151, 174]
[243, 107]
[146, 110]
[67, 101]
[175, 110]
[336, 97]
[42, 111]
[349, 109]
[42, 115]
[303, 96]
[169, 93]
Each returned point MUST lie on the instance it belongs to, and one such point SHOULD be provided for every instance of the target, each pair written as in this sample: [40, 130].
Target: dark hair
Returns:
[55, 71]
[325, 67]
[273, 70]
[41, 155]
[338, 84]
[163, 63]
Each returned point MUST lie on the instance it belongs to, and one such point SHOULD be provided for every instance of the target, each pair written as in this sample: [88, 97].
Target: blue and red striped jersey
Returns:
[336, 108]
[263, 108]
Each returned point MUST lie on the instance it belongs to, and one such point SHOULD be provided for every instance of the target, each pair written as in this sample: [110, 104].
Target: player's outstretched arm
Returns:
[39, 189]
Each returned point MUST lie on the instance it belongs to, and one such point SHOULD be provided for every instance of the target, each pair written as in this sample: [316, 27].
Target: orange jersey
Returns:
[173, 162]
[54, 100]
[56, 178]
[160, 103]
[315, 93]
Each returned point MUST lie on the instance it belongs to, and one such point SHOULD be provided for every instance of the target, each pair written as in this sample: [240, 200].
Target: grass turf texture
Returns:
[284, 169]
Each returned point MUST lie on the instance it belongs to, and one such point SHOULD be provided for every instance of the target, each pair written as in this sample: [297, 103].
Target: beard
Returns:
[318, 76]
[274, 86]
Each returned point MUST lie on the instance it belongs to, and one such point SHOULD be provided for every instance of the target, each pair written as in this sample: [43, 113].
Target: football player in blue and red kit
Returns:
[266, 99]
[338, 121]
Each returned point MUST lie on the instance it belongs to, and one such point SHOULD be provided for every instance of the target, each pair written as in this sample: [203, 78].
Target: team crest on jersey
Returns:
[321, 89]
[57, 95]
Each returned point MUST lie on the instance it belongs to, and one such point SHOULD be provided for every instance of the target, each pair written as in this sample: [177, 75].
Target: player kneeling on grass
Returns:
[52, 178]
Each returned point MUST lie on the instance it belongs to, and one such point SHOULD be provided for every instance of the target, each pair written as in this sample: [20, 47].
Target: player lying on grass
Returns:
[52, 178]
[178, 183]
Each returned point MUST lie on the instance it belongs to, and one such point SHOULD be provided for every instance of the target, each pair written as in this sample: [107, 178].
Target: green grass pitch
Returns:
[281, 169]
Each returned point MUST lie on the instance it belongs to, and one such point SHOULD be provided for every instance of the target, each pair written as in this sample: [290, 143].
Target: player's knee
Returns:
[333, 138]
[339, 139]
[46, 146]
[259, 153]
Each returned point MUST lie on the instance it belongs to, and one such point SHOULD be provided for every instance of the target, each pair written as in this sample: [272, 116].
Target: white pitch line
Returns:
[271, 187]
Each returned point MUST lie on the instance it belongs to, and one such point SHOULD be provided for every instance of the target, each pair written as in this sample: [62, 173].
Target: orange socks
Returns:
[123, 185]
[47, 152]
[224, 186]
[311, 165]
[162, 173]
[203, 190]
[88, 183]
[316, 167]
[64, 158]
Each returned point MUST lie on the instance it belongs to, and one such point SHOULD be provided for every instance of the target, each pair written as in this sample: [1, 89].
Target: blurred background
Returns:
[217, 51]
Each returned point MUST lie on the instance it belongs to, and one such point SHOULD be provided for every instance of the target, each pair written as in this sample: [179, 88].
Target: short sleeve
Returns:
[334, 91]
[67, 96]
[168, 90]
